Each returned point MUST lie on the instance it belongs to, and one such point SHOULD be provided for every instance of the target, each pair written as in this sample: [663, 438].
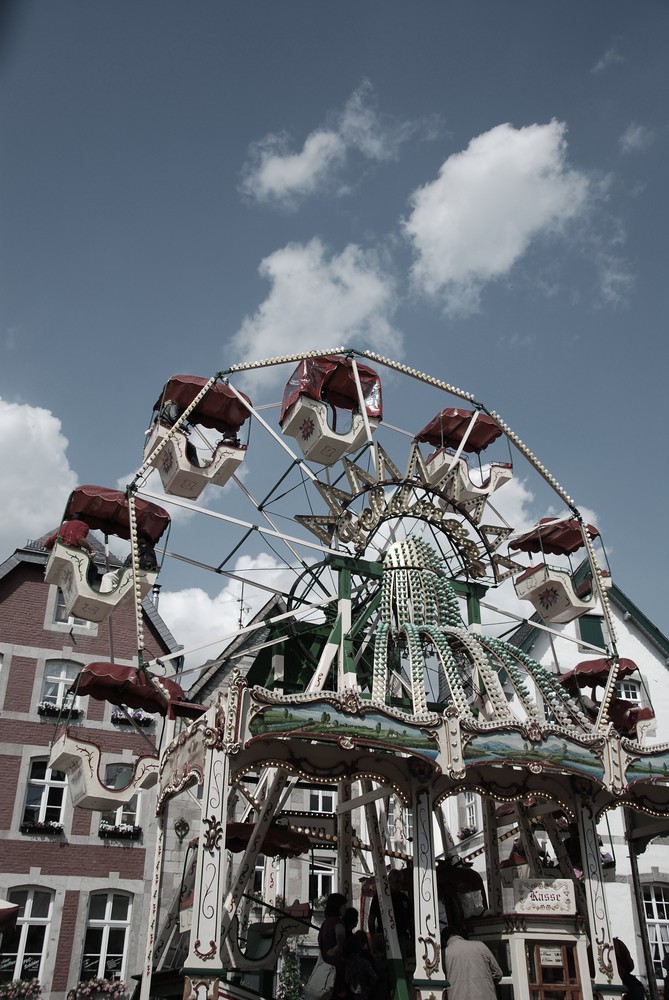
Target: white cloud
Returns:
[635, 138]
[37, 478]
[274, 173]
[319, 301]
[488, 204]
[610, 58]
[198, 619]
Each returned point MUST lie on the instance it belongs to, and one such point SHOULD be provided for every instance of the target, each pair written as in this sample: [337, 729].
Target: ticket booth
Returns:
[541, 946]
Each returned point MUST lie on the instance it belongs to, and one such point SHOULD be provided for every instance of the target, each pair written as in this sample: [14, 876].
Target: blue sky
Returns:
[477, 189]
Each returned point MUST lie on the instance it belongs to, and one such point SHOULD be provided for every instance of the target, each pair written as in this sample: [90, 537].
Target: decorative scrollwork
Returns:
[430, 955]
[206, 956]
[213, 834]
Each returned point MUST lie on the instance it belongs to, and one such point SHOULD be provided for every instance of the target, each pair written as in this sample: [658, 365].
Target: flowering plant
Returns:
[49, 826]
[101, 987]
[51, 708]
[21, 989]
[137, 715]
[466, 831]
[119, 830]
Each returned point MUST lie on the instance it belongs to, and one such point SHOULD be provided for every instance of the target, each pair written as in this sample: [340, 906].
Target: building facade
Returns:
[78, 876]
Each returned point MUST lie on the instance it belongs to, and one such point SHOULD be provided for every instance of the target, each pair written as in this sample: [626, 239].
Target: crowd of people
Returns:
[359, 959]
[360, 962]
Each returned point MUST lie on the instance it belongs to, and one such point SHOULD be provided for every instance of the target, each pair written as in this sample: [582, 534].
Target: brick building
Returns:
[79, 876]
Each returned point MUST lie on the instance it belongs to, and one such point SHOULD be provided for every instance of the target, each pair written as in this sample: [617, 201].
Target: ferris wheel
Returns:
[331, 461]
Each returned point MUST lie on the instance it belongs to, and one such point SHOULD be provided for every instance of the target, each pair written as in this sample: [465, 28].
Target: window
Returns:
[656, 906]
[45, 795]
[322, 800]
[321, 879]
[469, 810]
[591, 630]
[22, 950]
[61, 617]
[629, 690]
[106, 936]
[117, 776]
[125, 815]
[398, 821]
[259, 876]
[58, 677]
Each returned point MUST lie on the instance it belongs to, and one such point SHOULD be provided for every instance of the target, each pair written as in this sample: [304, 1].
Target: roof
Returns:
[216, 670]
[526, 635]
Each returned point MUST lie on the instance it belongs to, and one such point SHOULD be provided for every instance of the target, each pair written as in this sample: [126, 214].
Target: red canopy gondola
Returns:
[331, 379]
[104, 509]
[219, 409]
[279, 840]
[553, 536]
[123, 685]
[591, 673]
[449, 427]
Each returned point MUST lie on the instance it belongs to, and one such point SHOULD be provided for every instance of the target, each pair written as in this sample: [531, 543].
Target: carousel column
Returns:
[204, 964]
[345, 843]
[493, 870]
[429, 977]
[606, 981]
[221, 737]
[378, 845]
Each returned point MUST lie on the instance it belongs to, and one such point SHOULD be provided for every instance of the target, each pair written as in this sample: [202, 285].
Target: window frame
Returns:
[48, 784]
[106, 925]
[320, 795]
[63, 701]
[322, 877]
[25, 922]
[594, 623]
[630, 689]
[52, 623]
[126, 814]
[656, 923]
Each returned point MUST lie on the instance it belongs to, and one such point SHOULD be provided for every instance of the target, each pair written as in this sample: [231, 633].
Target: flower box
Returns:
[121, 831]
[50, 829]
[50, 711]
[135, 715]
[466, 831]
[21, 989]
[111, 989]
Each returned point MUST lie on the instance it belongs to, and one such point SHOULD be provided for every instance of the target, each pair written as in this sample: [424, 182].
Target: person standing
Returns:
[402, 912]
[471, 969]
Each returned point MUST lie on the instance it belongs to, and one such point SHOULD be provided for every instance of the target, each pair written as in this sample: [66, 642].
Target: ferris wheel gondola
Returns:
[72, 567]
[558, 594]
[456, 430]
[186, 459]
[331, 383]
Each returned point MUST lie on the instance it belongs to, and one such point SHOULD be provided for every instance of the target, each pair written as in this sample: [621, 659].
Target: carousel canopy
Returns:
[220, 409]
[449, 427]
[331, 379]
[591, 673]
[104, 509]
[553, 536]
[279, 842]
[123, 685]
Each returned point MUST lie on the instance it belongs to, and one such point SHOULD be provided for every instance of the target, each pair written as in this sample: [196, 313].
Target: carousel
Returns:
[377, 677]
